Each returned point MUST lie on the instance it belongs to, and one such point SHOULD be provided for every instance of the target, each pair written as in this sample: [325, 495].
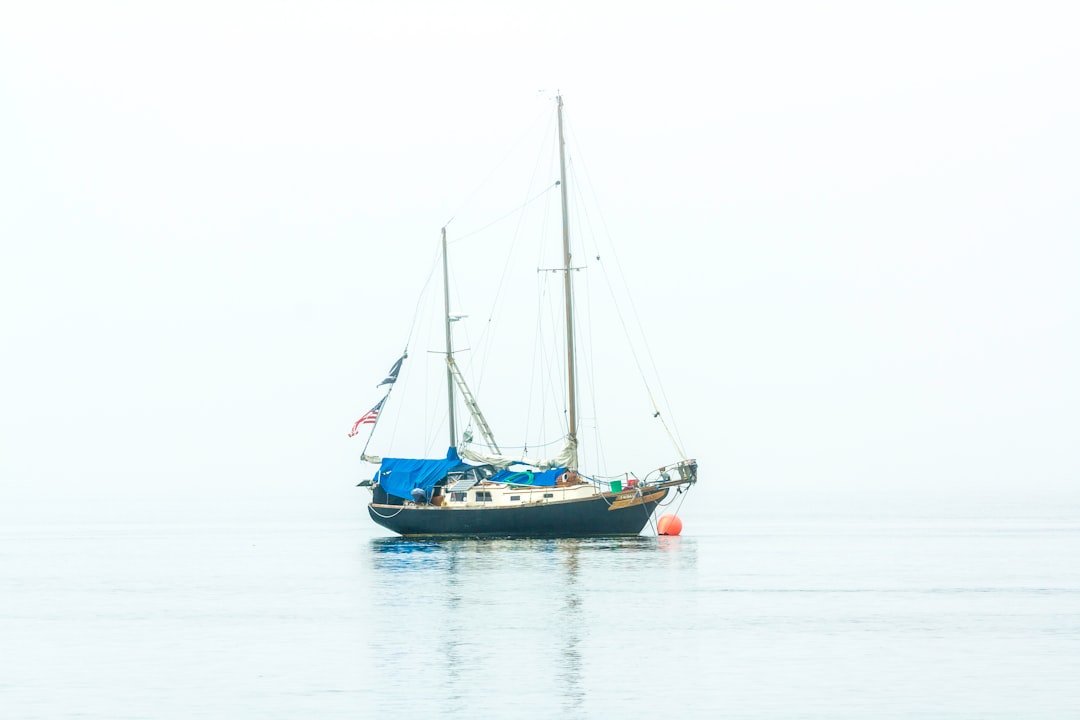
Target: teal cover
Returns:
[544, 478]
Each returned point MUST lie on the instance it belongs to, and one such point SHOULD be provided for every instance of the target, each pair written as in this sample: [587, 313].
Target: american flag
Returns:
[367, 418]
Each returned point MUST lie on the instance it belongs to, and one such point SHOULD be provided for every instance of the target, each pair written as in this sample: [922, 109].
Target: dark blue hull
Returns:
[589, 517]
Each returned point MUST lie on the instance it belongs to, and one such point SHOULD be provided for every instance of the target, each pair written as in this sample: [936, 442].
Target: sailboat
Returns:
[488, 493]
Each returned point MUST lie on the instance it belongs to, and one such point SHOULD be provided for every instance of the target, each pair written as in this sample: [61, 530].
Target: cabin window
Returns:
[514, 497]
[458, 497]
[549, 495]
[483, 496]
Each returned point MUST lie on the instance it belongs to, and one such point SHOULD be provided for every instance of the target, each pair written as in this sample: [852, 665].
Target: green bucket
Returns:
[616, 486]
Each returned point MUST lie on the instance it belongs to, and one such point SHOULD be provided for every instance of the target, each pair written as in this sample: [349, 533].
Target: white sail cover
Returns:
[567, 458]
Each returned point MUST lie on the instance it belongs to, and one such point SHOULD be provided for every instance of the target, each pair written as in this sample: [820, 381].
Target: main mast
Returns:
[449, 344]
[571, 368]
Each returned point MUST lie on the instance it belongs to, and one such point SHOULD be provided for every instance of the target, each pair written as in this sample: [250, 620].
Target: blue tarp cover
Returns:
[400, 476]
[529, 477]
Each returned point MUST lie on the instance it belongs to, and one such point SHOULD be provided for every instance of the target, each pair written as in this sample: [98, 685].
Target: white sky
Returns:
[860, 220]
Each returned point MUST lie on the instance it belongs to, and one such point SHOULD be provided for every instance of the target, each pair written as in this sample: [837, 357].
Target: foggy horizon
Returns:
[854, 230]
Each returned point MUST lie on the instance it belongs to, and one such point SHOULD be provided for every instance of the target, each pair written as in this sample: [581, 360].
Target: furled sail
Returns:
[567, 458]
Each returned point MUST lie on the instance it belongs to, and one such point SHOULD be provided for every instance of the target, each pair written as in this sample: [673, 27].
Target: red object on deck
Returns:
[669, 525]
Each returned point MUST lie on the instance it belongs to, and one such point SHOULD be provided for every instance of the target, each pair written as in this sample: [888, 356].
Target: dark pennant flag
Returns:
[391, 377]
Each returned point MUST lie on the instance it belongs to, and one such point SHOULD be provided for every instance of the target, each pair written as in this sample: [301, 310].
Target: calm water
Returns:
[741, 617]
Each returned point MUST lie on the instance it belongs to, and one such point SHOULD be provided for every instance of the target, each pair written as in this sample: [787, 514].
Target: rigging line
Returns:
[540, 285]
[546, 385]
[484, 344]
[588, 354]
[652, 523]
[521, 138]
[648, 513]
[540, 351]
[549, 443]
[408, 342]
[499, 219]
[420, 299]
[684, 493]
[397, 416]
[548, 367]
[509, 256]
[585, 358]
[637, 317]
[601, 461]
[436, 412]
[561, 365]
[430, 445]
[641, 371]
[455, 290]
[669, 502]
[382, 405]
[543, 381]
[558, 366]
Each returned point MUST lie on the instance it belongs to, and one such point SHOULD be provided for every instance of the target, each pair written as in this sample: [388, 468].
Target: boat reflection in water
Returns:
[543, 623]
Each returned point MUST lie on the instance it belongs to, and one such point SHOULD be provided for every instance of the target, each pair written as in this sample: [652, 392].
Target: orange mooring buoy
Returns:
[669, 525]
